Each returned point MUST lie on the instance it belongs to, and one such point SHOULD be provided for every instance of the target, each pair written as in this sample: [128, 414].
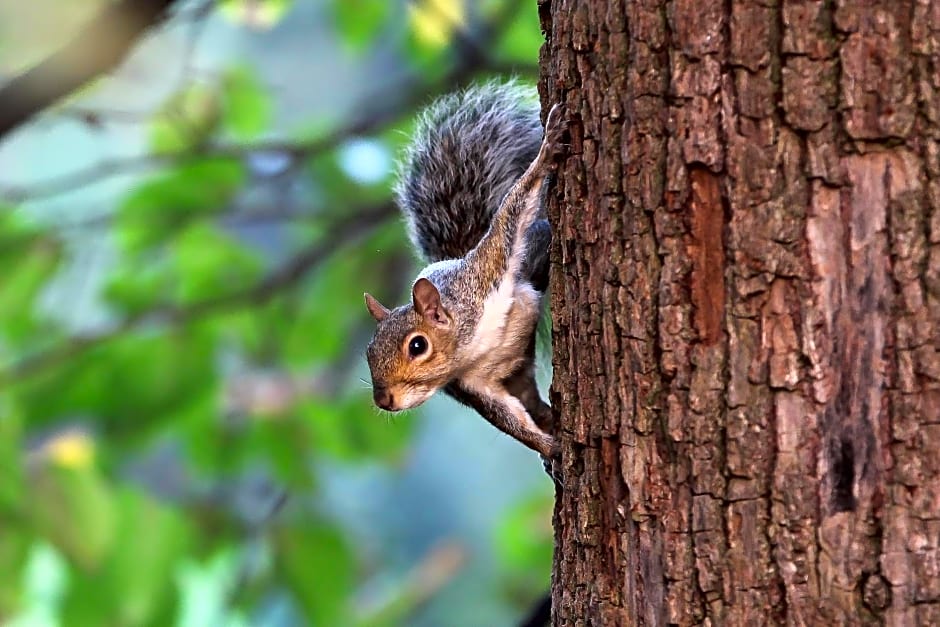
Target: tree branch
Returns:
[470, 56]
[350, 227]
[298, 150]
[95, 50]
[416, 90]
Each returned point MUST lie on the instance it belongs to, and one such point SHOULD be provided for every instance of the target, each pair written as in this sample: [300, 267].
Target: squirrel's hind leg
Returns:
[505, 412]
[522, 386]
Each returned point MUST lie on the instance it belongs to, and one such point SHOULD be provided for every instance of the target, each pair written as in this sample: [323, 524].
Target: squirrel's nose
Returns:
[382, 397]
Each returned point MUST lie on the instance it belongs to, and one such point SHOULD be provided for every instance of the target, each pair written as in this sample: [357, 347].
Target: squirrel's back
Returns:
[466, 152]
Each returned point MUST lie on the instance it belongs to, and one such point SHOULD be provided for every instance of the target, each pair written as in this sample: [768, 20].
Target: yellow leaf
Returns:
[434, 21]
[71, 449]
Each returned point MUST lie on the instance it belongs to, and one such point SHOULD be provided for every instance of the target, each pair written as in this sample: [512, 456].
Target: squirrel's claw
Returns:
[552, 467]
[555, 118]
[556, 124]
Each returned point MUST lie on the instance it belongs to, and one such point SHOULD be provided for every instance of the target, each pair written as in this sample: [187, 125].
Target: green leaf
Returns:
[349, 429]
[73, 508]
[359, 21]
[134, 585]
[14, 229]
[11, 458]
[329, 297]
[304, 339]
[22, 284]
[201, 264]
[206, 443]
[283, 443]
[186, 120]
[246, 331]
[210, 263]
[14, 550]
[317, 566]
[28, 260]
[319, 128]
[138, 285]
[246, 104]
[129, 386]
[521, 41]
[151, 540]
[196, 186]
[524, 544]
[280, 443]
[156, 209]
[15, 534]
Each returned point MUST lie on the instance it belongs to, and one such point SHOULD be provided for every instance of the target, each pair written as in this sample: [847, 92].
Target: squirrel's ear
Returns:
[377, 309]
[427, 302]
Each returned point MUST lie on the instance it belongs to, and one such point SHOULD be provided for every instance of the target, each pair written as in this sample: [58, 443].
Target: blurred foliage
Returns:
[228, 352]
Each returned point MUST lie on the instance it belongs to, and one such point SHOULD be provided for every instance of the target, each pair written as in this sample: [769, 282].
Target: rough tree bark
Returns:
[746, 302]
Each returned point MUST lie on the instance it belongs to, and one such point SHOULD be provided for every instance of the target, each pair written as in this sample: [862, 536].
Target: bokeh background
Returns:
[185, 434]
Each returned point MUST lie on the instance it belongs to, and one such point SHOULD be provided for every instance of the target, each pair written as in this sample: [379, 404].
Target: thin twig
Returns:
[94, 117]
[297, 150]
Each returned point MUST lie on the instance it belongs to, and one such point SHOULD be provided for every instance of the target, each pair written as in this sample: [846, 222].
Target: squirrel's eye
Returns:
[417, 346]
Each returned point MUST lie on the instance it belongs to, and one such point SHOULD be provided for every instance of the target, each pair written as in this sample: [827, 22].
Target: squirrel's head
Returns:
[411, 353]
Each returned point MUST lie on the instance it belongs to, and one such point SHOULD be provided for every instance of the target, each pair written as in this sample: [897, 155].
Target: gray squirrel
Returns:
[471, 190]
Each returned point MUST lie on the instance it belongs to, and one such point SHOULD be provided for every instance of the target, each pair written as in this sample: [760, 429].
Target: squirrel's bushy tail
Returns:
[467, 150]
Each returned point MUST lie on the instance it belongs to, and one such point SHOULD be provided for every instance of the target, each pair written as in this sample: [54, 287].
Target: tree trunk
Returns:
[746, 307]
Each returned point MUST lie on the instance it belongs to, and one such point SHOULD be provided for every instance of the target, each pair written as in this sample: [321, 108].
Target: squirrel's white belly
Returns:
[510, 314]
